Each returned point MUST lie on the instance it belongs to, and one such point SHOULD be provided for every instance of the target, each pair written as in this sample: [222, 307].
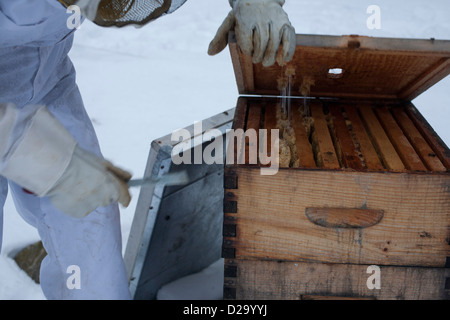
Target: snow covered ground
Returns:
[141, 84]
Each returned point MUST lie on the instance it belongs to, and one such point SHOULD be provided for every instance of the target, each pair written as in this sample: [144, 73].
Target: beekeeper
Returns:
[50, 156]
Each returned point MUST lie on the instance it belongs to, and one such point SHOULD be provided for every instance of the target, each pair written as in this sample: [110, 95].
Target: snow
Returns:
[207, 284]
[141, 84]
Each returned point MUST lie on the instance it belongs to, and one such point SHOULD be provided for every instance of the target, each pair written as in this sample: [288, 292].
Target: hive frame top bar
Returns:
[372, 68]
[432, 46]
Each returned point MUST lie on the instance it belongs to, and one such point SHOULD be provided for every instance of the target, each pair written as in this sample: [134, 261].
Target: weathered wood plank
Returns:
[270, 122]
[371, 159]
[383, 146]
[275, 280]
[438, 146]
[428, 78]
[252, 130]
[304, 148]
[322, 138]
[243, 69]
[240, 113]
[420, 145]
[414, 229]
[404, 149]
[348, 150]
[234, 149]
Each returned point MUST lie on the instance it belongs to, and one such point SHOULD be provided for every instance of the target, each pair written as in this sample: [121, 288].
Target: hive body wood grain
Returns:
[372, 182]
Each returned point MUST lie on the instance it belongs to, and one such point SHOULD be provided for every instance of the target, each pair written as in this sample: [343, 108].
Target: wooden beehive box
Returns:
[370, 185]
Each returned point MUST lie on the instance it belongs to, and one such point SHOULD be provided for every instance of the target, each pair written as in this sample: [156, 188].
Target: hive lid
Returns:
[374, 68]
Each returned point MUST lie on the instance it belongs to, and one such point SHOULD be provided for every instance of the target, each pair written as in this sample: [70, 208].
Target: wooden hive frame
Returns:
[355, 135]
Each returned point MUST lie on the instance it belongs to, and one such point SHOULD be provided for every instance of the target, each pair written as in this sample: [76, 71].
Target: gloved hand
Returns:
[260, 27]
[40, 155]
[89, 182]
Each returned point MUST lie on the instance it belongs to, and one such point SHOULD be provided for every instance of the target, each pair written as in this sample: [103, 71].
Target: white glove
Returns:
[89, 182]
[46, 160]
[260, 27]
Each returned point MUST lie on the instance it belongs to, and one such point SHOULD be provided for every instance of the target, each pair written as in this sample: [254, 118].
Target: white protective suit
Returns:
[35, 70]
[42, 117]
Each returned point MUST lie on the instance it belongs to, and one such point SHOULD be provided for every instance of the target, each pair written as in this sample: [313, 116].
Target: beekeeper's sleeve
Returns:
[39, 154]
[34, 147]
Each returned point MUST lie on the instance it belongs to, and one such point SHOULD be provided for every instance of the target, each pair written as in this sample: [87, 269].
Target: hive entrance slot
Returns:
[335, 73]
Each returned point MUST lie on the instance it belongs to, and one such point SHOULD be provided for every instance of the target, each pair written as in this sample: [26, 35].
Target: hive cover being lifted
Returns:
[350, 67]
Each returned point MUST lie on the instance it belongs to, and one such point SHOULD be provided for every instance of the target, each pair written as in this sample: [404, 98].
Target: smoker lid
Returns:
[350, 66]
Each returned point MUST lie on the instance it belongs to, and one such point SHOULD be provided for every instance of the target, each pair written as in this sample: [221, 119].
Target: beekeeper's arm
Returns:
[39, 154]
[119, 13]
[261, 26]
